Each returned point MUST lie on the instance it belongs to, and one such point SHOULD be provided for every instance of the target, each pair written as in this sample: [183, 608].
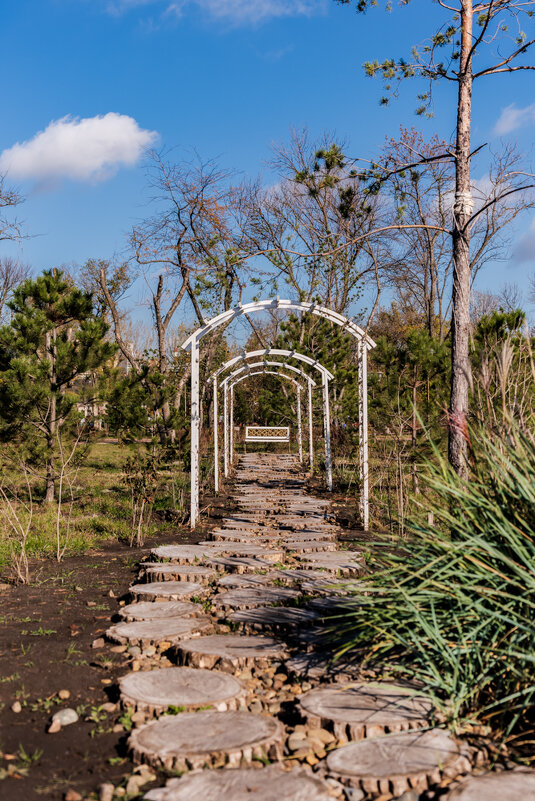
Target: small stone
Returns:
[111, 594]
[297, 742]
[117, 728]
[135, 650]
[150, 651]
[109, 707]
[106, 792]
[122, 603]
[354, 794]
[138, 717]
[54, 727]
[98, 643]
[91, 603]
[16, 707]
[120, 791]
[410, 795]
[325, 737]
[72, 795]
[65, 717]
[79, 589]
[105, 681]
[118, 649]
[311, 759]
[136, 665]
[255, 706]
[64, 694]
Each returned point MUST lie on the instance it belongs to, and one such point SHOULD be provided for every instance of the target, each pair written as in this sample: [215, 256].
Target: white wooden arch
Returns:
[228, 411]
[288, 354]
[364, 343]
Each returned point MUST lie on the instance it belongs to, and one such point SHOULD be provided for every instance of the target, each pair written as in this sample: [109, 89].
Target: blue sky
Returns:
[226, 77]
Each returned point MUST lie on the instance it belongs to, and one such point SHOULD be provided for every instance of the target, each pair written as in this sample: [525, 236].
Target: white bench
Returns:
[267, 434]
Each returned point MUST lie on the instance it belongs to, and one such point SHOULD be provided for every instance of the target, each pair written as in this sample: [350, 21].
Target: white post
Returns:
[232, 425]
[216, 439]
[195, 420]
[225, 428]
[310, 429]
[327, 431]
[365, 463]
[299, 430]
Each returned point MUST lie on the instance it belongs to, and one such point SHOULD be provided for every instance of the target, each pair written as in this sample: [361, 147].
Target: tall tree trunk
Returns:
[462, 211]
[52, 413]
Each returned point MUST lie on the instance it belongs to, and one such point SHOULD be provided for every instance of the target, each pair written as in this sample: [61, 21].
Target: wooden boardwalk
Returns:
[229, 671]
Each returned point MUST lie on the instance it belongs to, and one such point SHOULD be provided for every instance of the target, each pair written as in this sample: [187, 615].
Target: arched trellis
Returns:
[326, 376]
[364, 343]
[228, 384]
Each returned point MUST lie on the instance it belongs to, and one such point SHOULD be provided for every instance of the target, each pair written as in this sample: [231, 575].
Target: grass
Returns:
[454, 605]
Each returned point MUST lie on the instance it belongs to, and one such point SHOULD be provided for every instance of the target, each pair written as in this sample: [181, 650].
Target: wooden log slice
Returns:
[178, 554]
[247, 598]
[273, 618]
[365, 709]
[167, 590]
[162, 633]
[320, 666]
[236, 581]
[231, 652]
[148, 610]
[194, 740]
[154, 691]
[309, 546]
[272, 783]
[395, 763]
[342, 563]
[239, 564]
[247, 549]
[170, 572]
[509, 785]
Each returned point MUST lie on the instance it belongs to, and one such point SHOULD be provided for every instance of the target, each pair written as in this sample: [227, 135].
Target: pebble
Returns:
[98, 643]
[117, 728]
[135, 650]
[72, 795]
[136, 665]
[16, 707]
[64, 694]
[297, 742]
[109, 707]
[54, 727]
[118, 649]
[65, 717]
[106, 792]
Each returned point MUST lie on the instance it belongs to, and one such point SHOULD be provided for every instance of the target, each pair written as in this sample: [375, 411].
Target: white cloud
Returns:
[236, 12]
[513, 118]
[90, 149]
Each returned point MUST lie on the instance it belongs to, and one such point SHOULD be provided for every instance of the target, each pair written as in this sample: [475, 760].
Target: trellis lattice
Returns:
[267, 434]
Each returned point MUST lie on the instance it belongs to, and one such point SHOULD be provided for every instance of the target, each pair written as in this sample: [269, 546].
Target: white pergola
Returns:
[364, 343]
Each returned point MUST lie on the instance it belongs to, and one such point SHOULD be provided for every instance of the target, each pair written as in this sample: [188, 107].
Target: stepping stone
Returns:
[509, 785]
[237, 581]
[161, 571]
[365, 709]
[246, 549]
[179, 554]
[273, 617]
[239, 564]
[309, 546]
[148, 610]
[247, 598]
[395, 763]
[194, 740]
[154, 691]
[158, 632]
[231, 652]
[318, 666]
[271, 783]
[167, 590]
[344, 563]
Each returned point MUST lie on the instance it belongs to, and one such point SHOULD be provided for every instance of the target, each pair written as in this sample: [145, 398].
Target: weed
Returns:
[40, 632]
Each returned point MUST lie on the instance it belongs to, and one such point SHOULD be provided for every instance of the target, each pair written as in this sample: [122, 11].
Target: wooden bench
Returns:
[267, 434]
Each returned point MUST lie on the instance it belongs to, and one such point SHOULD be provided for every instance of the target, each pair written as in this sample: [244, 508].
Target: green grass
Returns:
[454, 605]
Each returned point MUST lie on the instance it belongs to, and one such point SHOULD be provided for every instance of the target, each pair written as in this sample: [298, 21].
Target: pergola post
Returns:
[195, 421]
[363, 434]
[216, 439]
[327, 432]
[299, 429]
[310, 429]
[225, 427]
[232, 425]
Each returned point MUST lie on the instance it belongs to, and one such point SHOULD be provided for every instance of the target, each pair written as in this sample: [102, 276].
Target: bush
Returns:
[455, 607]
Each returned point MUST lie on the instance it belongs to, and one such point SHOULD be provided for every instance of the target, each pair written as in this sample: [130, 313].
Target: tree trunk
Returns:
[462, 211]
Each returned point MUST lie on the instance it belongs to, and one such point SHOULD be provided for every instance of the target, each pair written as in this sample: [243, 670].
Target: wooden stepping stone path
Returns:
[246, 549]
[148, 610]
[237, 581]
[194, 740]
[248, 598]
[273, 618]
[231, 652]
[321, 666]
[509, 785]
[344, 563]
[396, 763]
[154, 691]
[309, 546]
[162, 571]
[157, 632]
[365, 709]
[272, 783]
[167, 590]
[239, 564]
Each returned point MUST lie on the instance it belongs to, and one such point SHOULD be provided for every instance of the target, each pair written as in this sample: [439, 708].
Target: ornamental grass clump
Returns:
[455, 607]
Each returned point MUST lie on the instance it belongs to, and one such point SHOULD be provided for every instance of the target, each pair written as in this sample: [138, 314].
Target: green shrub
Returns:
[454, 605]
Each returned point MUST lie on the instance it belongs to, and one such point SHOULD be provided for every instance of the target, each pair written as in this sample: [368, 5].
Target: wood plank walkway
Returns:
[228, 674]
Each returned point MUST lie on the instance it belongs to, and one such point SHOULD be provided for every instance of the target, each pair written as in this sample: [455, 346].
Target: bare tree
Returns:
[12, 273]
[10, 227]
